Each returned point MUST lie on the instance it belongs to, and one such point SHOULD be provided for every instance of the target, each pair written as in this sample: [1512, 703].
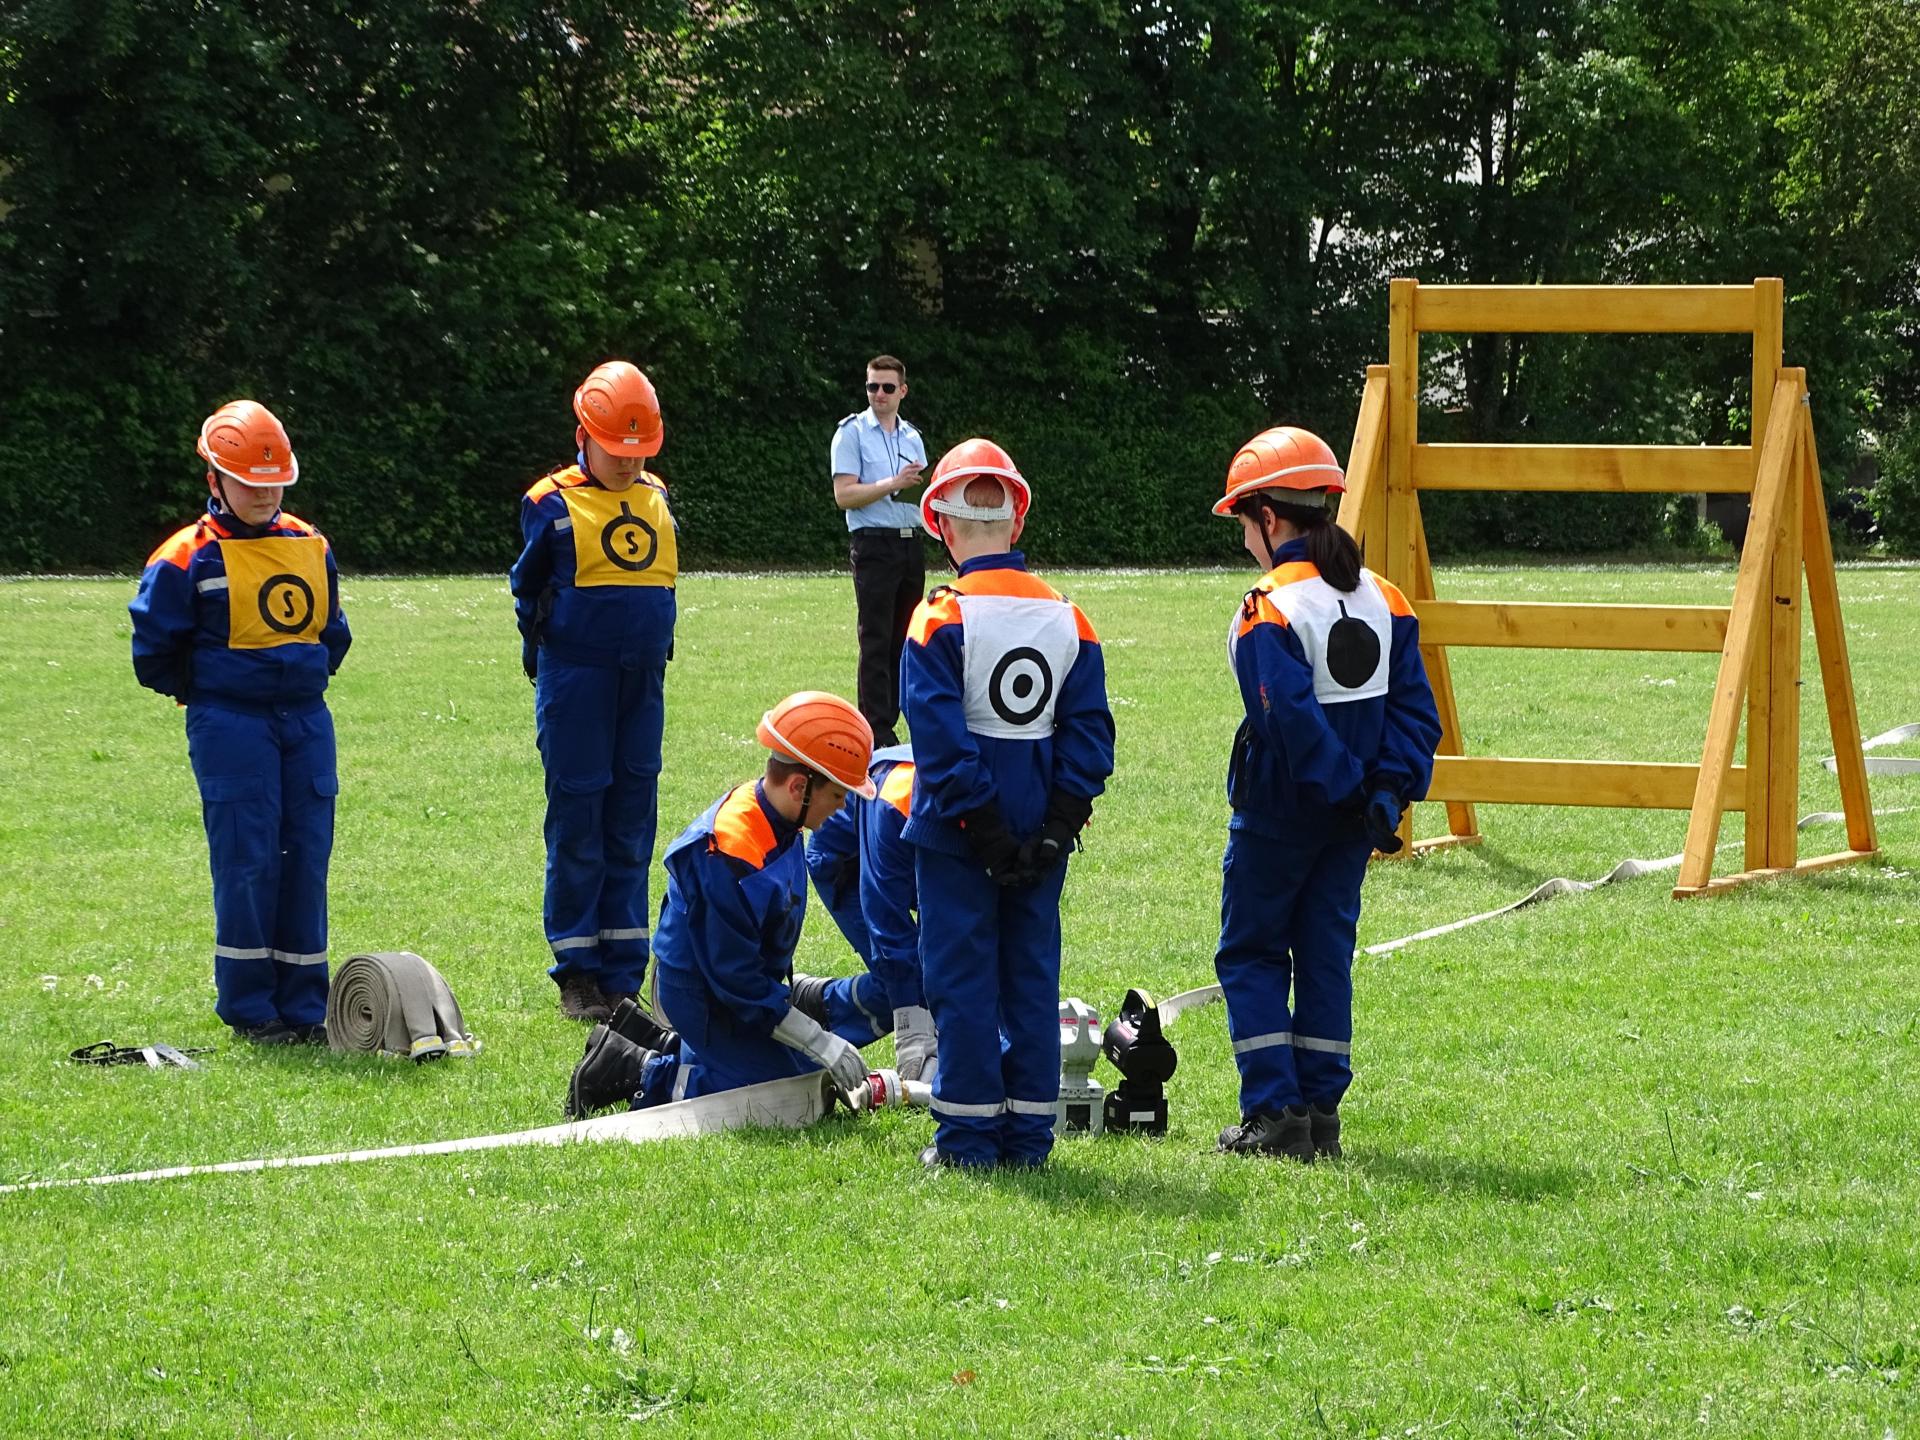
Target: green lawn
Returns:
[1618, 1165]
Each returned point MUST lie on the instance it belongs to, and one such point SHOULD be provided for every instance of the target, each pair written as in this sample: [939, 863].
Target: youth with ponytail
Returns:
[1337, 739]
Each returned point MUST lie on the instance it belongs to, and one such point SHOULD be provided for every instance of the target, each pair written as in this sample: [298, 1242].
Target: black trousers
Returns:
[889, 579]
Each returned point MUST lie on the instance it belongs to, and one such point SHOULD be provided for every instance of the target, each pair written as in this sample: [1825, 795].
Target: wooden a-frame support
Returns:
[1757, 637]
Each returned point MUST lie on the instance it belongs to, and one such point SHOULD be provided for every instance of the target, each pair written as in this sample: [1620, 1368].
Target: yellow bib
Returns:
[276, 590]
[623, 538]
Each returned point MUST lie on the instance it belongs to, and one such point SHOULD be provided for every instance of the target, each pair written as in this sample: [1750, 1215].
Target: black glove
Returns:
[993, 844]
[1382, 820]
[530, 660]
[1067, 816]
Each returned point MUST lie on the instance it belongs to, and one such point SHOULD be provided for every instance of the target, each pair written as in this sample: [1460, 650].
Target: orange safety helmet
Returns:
[959, 465]
[246, 442]
[1283, 458]
[616, 406]
[824, 733]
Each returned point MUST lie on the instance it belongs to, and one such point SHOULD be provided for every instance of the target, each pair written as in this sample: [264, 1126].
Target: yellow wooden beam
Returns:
[1462, 822]
[1616, 469]
[1361, 507]
[1744, 625]
[1701, 628]
[1625, 784]
[1747, 877]
[1403, 417]
[1595, 309]
[1761, 690]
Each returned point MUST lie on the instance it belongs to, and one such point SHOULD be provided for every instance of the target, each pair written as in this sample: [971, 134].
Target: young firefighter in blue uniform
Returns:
[736, 896]
[593, 592]
[863, 869]
[1006, 695]
[238, 618]
[1338, 739]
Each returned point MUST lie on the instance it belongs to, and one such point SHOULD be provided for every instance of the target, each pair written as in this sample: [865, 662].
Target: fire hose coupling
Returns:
[1078, 1110]
[1138, 1048]
[885, 1090]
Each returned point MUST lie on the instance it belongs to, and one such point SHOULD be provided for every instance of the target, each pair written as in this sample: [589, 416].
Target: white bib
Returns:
[1015, 658]
[1348, 638]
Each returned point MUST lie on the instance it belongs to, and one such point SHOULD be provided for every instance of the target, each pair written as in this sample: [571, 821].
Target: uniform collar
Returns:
[900, 422]
[232, 527]
[1294, 549]
[1006, 560]
[783, 828]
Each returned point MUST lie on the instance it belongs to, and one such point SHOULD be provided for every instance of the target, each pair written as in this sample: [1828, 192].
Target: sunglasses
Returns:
[884, 387]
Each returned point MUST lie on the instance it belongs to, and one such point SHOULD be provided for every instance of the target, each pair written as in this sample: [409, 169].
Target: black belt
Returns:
[904, 532]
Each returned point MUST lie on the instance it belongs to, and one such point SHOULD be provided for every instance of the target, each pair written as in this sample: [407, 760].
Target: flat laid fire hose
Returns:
[802, 1099]
[392, 1002]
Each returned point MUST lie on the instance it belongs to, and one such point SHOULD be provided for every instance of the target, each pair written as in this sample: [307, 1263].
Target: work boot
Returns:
[1324, 1122]
[934, 1158]
[268, 1032]
[642, 1029]
[314, 1034]
[609, 1073]
[808, 995]
[1289, 1133]
[580, 999]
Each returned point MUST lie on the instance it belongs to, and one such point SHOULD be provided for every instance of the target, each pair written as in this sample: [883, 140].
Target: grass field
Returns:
[1617, 1165]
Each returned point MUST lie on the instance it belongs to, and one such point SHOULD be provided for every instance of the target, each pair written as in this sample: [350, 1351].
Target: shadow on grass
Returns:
[1447, 1174]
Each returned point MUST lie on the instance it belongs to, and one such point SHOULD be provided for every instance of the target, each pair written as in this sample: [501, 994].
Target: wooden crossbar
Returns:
[1547, 626]
[1619, 469]
[1594, 309]
[1623, 784]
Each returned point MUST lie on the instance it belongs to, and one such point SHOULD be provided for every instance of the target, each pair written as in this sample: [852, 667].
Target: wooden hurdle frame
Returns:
[1757, 636]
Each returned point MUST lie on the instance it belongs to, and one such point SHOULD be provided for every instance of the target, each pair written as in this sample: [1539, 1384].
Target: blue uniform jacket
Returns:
[182, 624]
[1306, 756]
[889, 894]
[1005, 690]
[736, 897]
[613, 625]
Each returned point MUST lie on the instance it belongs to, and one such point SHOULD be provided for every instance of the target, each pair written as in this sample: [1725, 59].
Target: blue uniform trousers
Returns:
[717, 1055]
[990, 962]
[1289, 912]
[599, 731]
[267, 786]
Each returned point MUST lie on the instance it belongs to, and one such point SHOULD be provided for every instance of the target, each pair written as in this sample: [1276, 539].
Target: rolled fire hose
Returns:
[392, 1002]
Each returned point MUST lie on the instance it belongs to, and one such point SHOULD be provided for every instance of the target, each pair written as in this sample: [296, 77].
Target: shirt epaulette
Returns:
[845, 419]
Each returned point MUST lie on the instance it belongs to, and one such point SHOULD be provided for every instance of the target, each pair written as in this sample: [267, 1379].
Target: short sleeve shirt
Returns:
[862, 449]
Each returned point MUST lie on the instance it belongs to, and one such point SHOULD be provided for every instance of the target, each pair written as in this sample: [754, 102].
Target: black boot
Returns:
[808, 995]
[1324, 1122]
[642, 1029]
[1289, 1133]
[608, 1074]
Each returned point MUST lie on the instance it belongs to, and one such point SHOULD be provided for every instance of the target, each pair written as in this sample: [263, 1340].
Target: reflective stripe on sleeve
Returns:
[212, 583]
[1031, 1107]
[287, 957]
[565, 522]
[880, 1027]
[1263, 1042]
[1311, 1042]
[979, 1112]
[236, 952]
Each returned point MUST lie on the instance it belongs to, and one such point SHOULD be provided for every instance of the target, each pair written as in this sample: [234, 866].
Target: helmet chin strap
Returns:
[243, 529]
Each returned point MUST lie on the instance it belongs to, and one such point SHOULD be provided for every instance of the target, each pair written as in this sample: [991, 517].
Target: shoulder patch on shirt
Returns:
[178, 548]
[740, 828]
[941, 607]
[897, 788]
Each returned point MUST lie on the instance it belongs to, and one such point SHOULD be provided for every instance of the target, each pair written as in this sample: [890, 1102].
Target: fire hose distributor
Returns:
[1146, 1060]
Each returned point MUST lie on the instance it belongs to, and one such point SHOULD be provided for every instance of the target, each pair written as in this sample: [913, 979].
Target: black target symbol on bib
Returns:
[1353, 651]
[628, 541]
[1021, 686]
[286, 604]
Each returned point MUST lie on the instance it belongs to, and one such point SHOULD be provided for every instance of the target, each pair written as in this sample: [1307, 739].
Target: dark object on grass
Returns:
[1289, 1134]
[155, 1056]
[1136, 1046]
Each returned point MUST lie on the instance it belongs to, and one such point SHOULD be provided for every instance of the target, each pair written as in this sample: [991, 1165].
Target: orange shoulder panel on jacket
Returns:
[740, 828]
[177, 549]
[297, 525]
[1291, 573]
[897, 788]
[1396, 602]
[1258, 609]
[1020, 583]
[1083, 625]
[562, 479]
[942, 607]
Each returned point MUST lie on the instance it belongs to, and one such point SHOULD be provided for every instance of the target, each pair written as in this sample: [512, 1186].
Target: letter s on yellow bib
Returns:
[622, 538]
[276, 590]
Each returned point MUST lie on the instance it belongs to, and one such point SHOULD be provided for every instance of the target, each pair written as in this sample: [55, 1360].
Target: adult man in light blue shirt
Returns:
[875, 455]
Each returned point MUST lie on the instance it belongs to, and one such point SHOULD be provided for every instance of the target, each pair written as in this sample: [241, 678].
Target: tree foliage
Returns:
[1117, 236]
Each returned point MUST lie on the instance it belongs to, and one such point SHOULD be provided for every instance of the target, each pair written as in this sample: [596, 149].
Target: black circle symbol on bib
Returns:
[1021, 686]
[1353, 651]
[286, 603]
[628, 541]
